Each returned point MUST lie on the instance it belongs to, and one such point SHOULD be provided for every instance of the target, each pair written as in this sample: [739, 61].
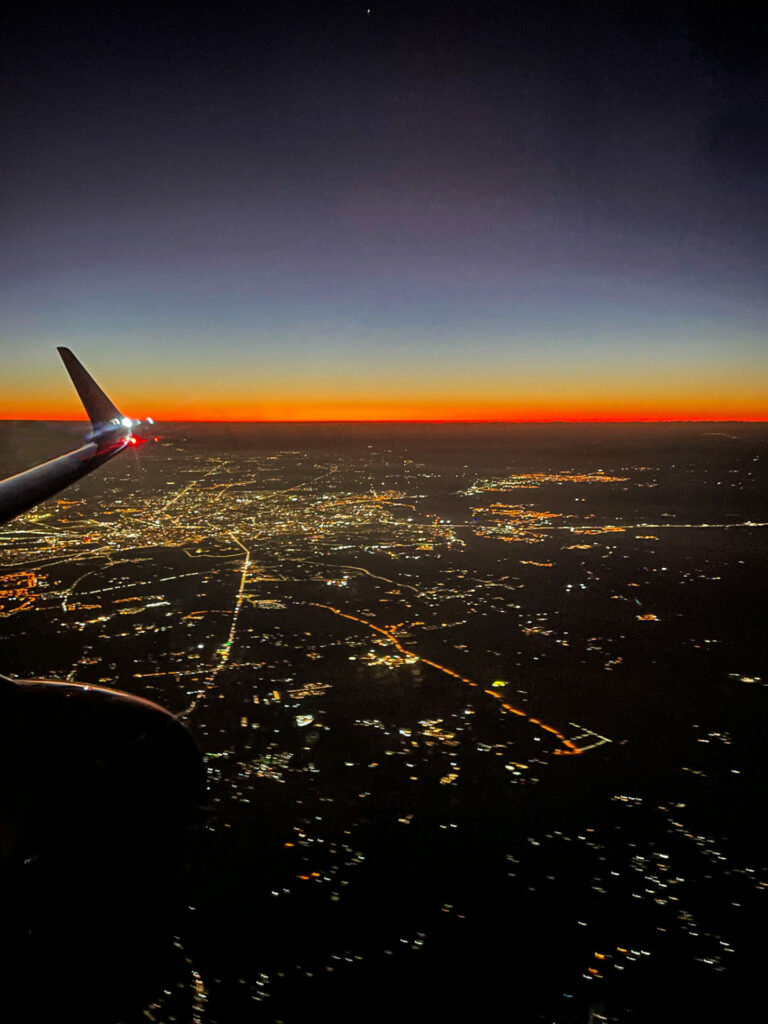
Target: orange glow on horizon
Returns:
[713, 417]
[333, 414]
[610, 406]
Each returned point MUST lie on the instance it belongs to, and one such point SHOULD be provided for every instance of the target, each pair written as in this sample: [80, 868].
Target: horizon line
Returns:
[473, 421]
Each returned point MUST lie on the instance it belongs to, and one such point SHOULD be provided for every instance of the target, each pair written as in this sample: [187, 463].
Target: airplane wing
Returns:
[110, 433]
[101, 410]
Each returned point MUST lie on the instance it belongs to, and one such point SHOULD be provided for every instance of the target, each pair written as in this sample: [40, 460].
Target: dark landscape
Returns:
[481, 707]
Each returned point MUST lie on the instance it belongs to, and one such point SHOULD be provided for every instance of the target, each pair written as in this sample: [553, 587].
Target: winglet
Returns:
[101, 410]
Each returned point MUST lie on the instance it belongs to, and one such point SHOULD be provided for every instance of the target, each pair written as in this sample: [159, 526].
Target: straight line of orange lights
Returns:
[569, 747]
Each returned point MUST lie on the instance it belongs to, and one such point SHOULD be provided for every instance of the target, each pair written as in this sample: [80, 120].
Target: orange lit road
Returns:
[395, 583]
[568, 746]
[226, 647]
[307, 483]
[41, 563]
[189, 487]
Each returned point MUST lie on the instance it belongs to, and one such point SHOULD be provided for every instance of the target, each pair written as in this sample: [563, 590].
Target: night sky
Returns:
[417, 211]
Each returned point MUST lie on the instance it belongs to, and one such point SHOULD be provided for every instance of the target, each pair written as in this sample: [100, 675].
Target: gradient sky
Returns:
[423, 212]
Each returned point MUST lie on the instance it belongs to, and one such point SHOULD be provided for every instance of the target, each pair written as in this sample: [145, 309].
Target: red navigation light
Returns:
[131, 440]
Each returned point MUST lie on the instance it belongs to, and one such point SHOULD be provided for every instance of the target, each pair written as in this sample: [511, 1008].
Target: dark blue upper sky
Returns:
[474, 203]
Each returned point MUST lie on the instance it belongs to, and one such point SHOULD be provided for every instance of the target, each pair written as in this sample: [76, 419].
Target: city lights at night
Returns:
[415, 670]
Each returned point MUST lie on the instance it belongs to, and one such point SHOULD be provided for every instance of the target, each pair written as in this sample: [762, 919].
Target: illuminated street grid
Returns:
[360, 640]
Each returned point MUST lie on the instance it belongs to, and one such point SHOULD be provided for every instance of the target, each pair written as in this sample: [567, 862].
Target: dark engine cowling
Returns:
[98, 793]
